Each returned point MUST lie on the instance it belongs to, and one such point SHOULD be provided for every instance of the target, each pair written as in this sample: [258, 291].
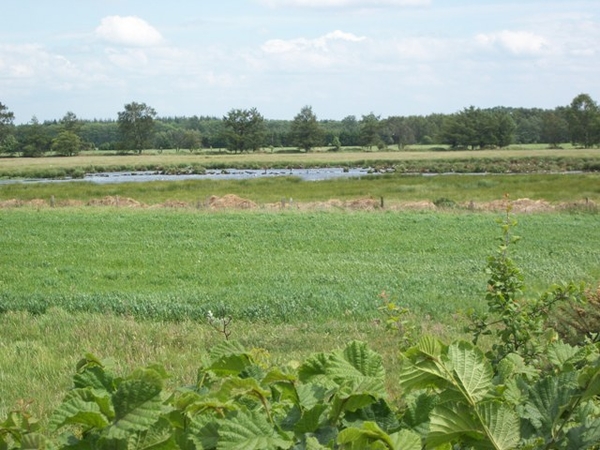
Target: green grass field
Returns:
[135, 285]
[271, 266]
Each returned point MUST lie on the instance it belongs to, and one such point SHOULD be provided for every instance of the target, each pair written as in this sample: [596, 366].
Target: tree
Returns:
[71, 123]
[66, 143]
[191, 139]
[136, 125]
[35, 141]
[244, 130]
[369, 131]
[476, 128]
[400, 131]
[555, 128]
[350, 131]
[6, 122]
[306, 132]
[584, 121]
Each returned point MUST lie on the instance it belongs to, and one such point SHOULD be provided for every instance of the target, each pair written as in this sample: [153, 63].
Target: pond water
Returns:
[228, 174]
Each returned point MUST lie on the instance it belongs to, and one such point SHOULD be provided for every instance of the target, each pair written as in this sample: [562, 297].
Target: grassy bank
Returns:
[393, 188]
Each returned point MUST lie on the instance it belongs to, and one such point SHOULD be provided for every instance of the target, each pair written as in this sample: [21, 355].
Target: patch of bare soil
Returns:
[117, 201]
[521, 205]
[230, 201]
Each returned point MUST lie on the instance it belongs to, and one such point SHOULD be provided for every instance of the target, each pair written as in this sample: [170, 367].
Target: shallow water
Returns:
[228, 174]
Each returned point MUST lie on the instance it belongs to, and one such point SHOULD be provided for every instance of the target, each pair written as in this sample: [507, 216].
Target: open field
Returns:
[260, 159]
[172, 265]
[135, 284]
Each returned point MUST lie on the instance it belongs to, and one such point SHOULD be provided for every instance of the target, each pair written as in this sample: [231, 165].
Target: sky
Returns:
[342, 57]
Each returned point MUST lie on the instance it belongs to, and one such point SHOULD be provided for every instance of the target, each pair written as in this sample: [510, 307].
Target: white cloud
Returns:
[344, 3]
[129, 31]
[516, 42]
[335, 48]
[303, 44]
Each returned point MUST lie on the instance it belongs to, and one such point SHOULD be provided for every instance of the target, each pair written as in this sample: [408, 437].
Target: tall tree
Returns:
[306, 132]
[66, 143]
[71, 123]
[555, 128]
[244, 130]
[584, 121]
[350, 131]
[136, 124]
[369, 130]
[6, 122]
[35, 141]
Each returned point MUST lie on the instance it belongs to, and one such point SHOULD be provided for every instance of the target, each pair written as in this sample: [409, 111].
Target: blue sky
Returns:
[342, 57]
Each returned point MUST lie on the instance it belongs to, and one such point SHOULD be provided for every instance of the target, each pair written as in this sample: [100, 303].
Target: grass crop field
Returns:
[136, 284]
[173, 265]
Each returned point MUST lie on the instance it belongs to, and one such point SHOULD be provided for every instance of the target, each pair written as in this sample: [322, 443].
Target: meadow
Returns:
[136, 284]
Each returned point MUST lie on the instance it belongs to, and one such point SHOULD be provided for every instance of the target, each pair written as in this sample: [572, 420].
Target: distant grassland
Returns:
[280, 267]
[412, 159]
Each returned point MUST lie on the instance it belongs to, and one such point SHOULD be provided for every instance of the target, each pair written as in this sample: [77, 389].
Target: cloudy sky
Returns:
[342, 57]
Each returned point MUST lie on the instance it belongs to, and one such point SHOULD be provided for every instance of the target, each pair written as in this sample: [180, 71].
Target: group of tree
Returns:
[138, 127]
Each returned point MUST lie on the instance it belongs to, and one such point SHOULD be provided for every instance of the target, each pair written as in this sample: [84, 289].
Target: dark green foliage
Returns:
[476, 128]
[306, 133]
[136, 125]
[244, 130]
[584, 121]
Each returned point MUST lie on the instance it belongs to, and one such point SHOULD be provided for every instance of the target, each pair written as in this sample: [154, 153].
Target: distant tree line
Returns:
[138, 127]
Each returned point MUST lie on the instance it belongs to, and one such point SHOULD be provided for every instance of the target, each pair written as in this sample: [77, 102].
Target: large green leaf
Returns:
[418, 409]
[359, 367]
[314, 369]
[82, 407]
[311, 394]
[406, 440]
[229, 358]
[422, 366]
[379, 412]
[35, 441]
[249, 430]
[560, 353]
[501, 424]
[311, 419]
[237, 387]
[548, 399]
[452, 423]
[369, 435]
[137, 403]
[204, 431]
[472, 371]
[584, 436]
[589, 380]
